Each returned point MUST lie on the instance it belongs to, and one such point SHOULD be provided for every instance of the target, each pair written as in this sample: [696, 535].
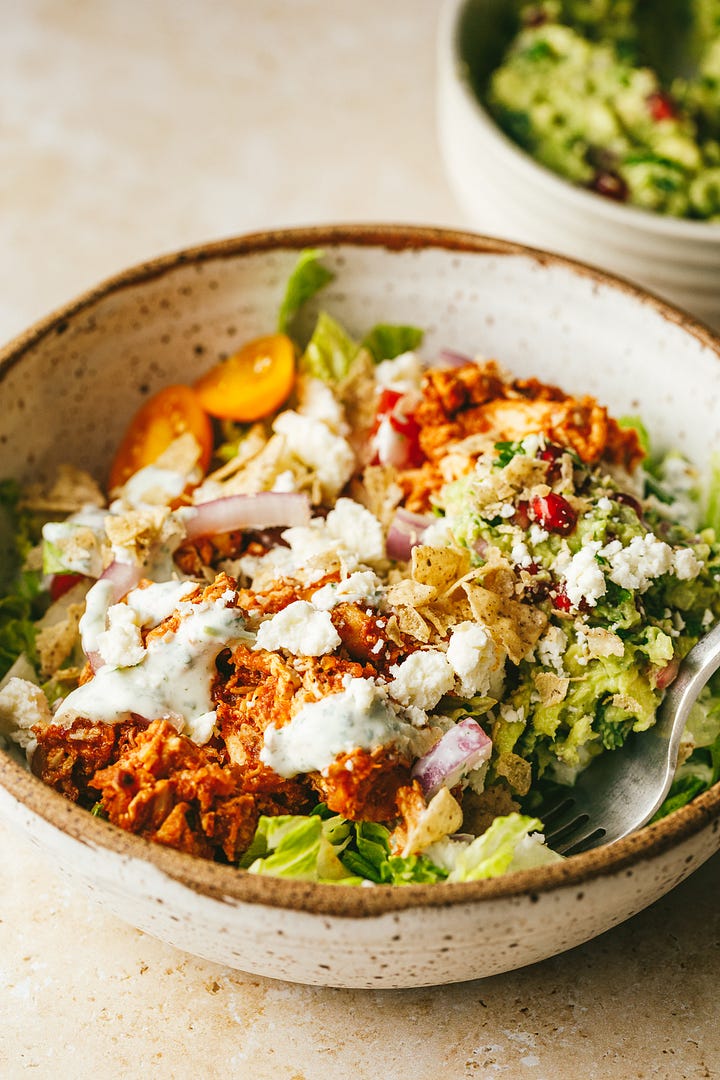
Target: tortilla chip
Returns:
[410, 593]
[56, 641]
[438, 567]
[513, 626]
[516, 770]
[182, 455]
[551, 688]
[481, 808]
[442, 817]
[411, 622]
[71, 491]
[378, 491]
[601, 642]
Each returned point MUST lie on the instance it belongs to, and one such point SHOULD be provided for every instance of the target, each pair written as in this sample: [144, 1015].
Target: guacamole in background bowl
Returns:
[589, 90]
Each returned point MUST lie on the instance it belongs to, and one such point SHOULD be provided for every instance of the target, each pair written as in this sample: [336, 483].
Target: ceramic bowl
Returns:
[67, 388]
[504, 191]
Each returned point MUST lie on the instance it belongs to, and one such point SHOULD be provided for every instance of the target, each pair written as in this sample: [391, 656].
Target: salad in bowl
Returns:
[347, 613]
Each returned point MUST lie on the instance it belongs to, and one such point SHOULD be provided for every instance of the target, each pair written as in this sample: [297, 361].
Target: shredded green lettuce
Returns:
[712, 508]
[21, 603]
[318, 847]
[330, 351]
[386, 341]
[306, 279]
[507, 845]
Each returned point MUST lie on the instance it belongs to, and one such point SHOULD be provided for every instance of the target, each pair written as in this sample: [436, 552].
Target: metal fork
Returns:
[621, 790]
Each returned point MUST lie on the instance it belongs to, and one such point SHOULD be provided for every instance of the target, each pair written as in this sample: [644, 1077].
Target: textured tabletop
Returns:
[130, 129]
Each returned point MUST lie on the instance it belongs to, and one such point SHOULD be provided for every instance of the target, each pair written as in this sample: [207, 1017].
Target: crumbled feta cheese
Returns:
[520, 554]
[605, 504]
[284, 481]
[301, 629]
[685, 564]
[330, 456]
[438, 533]
[153, 486]
[474, 658]
[403, 373]
[121, 644]
[532, 443]
[22, 706]
[422, 679]
[538, 535]
[551, 648]
[507, 511]
[357, 529]
[584, 579]
[635, 566]
[707, 620]
[317, 402]
[362, 587]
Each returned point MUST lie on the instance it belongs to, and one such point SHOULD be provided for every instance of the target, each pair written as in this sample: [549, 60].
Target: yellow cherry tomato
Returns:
[252, 383]
[165, 416]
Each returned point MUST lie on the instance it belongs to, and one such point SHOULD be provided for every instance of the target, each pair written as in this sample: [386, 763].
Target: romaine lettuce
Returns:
[306, 279]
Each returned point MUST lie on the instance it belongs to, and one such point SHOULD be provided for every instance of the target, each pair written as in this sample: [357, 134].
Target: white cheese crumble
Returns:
[153, 486]
[22, 706]
[520, 554]
[359, 717]
[422, 679]
[634, 567]
[317, 402]
[362, 587]
[584, 579]
[686, 564]
[551, 648]
[474, 658]
[357, 529]
[121, 645]
[330, 456]
[403, 373]
[300, 629]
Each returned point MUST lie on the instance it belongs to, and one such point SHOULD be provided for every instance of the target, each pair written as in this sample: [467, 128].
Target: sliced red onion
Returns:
[406, 532]
[461, 749]
[455, 359]
[123, 577]
[266, 510]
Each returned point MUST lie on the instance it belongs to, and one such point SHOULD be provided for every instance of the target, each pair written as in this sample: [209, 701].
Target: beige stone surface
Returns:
[128, 129]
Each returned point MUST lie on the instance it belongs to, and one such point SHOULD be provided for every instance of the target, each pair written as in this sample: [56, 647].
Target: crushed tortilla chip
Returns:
[378, 491]
[71, 490]
[513, 626]
[551, 688]
[516, 770]
[442, 816]
[438, 567]
[138, 531]
[411, 622]
[409, 593]
[181, 456]
[601, 642]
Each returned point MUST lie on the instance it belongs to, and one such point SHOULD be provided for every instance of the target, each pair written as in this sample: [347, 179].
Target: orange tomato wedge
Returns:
[166, 415]
[252, 383]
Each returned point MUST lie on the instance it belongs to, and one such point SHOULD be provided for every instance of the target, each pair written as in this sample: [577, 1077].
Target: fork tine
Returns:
[575, 844]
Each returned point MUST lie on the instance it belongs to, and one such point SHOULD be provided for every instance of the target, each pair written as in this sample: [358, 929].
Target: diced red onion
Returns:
[266, 510]
[461, 749]
[454, 359]
[664, 676]
[405, 532]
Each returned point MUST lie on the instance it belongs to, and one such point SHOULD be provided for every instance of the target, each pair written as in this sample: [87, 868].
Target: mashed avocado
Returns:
[576, 90]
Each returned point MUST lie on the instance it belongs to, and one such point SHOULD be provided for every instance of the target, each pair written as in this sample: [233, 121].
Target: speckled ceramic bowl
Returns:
[68, 386]
[504, 191]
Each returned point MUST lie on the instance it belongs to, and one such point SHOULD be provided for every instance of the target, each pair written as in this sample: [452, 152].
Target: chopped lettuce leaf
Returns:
[493, 853]
[307, 278]
[642, 432]
[22, 602]
[330, 351]
[332, 850]
[386, 341]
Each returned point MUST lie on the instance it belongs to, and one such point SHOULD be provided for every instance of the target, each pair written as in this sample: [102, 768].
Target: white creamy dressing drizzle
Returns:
[359, 717]
[174, 677]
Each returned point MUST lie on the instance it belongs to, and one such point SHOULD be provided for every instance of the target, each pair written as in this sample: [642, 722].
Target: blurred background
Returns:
[127, 130]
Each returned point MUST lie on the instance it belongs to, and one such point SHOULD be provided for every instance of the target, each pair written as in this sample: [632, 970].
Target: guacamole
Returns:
[578, 91]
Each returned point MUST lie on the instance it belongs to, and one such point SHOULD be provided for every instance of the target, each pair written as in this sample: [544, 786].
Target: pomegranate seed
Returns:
[554, 513]
[610, 185]
[561, 600]
[552, 454]
[661, 106]
[521, 517]
[629, 500]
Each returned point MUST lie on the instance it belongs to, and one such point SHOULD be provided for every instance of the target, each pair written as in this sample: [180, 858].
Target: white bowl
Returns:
[67, 388]
[505, 192]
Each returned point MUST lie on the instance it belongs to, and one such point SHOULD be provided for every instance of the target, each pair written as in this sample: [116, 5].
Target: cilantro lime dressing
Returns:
[360, 717]
[173, 680]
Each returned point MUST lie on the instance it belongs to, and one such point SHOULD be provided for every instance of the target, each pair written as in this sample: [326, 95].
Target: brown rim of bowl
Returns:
[225, 883]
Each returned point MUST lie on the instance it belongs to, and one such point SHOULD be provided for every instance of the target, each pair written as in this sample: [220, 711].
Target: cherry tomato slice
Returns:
[167, 415]
[62, 583]
[252, 383]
